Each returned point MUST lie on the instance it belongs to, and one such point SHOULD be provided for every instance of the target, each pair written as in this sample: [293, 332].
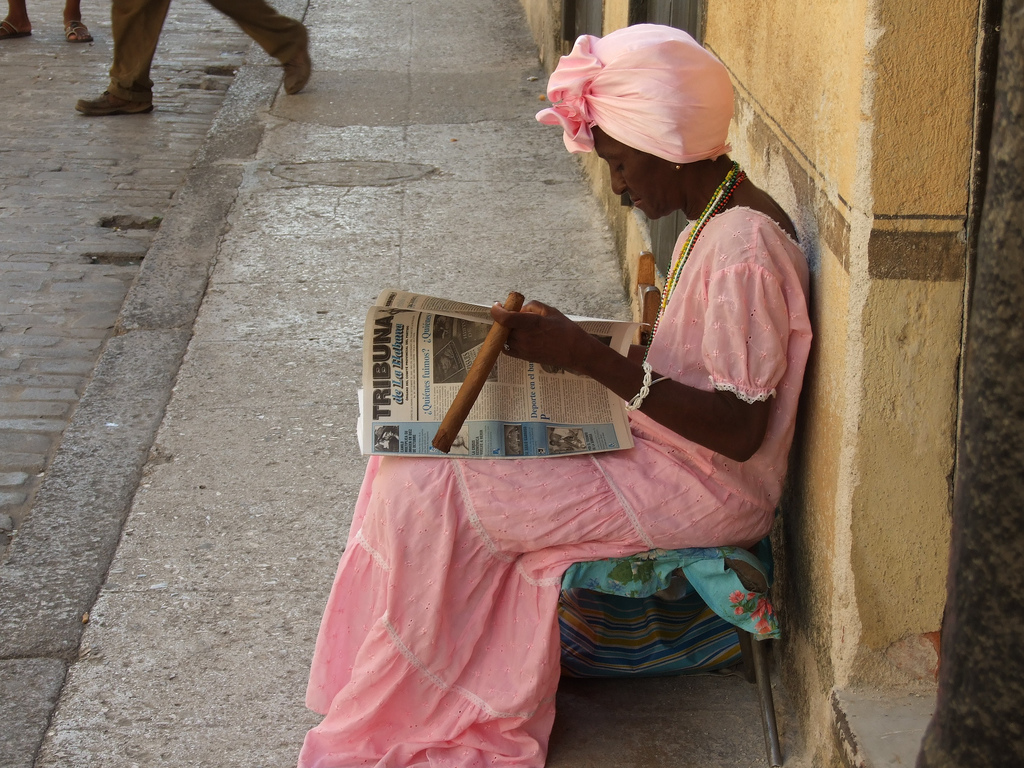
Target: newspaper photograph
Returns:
[417, 351]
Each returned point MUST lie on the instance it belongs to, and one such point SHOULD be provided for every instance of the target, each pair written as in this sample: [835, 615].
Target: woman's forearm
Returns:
[718, 420]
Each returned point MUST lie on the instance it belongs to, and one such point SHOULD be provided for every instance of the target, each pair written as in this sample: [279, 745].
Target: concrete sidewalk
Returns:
[412, 160]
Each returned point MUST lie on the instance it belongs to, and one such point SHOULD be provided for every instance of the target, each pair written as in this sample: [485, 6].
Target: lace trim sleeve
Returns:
[746, 397]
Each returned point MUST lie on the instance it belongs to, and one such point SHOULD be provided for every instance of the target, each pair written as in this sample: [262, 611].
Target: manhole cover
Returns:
[354, 173]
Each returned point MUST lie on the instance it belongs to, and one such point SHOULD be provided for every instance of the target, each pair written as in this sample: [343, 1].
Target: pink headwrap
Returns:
[653, 88]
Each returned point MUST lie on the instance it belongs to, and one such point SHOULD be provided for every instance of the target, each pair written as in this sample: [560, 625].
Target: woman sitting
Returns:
[439, 644]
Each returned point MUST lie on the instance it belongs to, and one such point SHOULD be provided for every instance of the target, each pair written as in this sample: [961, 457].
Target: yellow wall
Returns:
[543, 18]
[858, 117]
[872, 103]
[802, 63]
[901, 497]
[861, 115]
[616, 14]
[924, 92]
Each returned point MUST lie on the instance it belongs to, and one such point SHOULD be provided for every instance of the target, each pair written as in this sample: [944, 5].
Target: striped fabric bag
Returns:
[605, 635]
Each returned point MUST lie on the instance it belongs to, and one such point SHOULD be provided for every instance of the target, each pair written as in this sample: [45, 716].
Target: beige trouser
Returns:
[136, 26]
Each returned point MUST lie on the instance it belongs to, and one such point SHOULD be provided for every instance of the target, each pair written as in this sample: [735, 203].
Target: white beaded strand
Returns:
[645, 388]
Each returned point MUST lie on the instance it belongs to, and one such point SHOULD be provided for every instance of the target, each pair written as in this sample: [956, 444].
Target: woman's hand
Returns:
[718, 420]
[543, 335]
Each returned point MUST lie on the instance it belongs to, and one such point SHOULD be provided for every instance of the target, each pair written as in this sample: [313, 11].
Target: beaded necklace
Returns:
[715, 206]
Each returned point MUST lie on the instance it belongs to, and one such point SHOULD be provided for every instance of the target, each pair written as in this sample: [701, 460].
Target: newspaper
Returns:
[416, 352]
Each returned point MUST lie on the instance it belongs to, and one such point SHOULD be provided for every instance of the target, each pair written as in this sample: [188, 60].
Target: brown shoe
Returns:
[297, 70]
[109, 104]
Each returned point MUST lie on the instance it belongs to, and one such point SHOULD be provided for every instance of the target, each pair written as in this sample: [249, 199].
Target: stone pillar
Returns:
[978, 720]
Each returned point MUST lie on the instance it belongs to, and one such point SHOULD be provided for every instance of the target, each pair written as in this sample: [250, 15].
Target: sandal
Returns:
[9, 31]
[77, 32]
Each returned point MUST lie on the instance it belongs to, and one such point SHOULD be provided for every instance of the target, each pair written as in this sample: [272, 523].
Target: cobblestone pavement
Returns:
[80, 201]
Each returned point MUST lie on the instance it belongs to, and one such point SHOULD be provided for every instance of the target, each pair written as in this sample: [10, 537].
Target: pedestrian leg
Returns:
[136, 27]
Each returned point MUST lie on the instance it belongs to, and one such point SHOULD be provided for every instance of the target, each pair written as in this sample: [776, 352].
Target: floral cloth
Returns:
[708, 570]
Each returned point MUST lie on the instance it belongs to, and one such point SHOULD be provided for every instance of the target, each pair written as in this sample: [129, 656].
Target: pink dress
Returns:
[439, 644]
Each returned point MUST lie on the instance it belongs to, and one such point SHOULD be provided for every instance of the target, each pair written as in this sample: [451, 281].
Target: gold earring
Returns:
[679, 167]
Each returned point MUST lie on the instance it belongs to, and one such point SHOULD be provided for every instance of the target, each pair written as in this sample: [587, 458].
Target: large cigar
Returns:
[474, 382]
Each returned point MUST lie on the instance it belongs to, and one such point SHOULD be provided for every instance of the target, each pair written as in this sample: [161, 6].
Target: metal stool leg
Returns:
[759, 656]
[747, 654]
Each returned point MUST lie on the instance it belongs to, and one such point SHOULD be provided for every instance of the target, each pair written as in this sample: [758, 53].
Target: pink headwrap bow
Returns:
[653, 88]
